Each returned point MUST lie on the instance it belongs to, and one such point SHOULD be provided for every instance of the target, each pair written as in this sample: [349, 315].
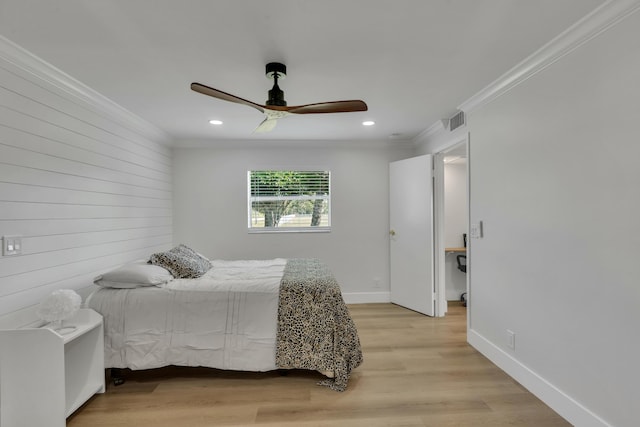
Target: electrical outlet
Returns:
[376, 282]
[511, 339]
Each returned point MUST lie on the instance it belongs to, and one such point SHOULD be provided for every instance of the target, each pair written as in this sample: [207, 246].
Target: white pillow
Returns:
[134, 275]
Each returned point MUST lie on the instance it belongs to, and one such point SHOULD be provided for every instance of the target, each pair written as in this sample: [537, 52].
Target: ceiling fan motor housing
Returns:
[275, 71]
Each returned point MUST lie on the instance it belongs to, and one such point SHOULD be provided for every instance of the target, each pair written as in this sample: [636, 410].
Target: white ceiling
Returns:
[412, 61]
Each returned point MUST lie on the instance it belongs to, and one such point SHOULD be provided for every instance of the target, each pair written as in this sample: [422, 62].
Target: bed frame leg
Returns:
[117, 376]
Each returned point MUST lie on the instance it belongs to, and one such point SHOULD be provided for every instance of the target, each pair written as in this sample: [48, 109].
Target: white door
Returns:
[411, 234]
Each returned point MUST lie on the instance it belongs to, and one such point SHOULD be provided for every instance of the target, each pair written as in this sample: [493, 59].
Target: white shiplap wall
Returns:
[86, 184]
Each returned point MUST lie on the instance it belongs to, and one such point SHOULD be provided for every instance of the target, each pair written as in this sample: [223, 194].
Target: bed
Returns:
[247, 315]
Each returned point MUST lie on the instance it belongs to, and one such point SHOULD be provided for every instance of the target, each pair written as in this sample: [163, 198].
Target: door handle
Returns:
[392, 232]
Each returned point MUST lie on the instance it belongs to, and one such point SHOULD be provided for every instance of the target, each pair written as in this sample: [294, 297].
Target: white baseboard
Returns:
[366, 297]
[563, 404]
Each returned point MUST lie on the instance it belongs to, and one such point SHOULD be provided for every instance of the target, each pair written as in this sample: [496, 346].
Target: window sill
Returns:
[286, 230]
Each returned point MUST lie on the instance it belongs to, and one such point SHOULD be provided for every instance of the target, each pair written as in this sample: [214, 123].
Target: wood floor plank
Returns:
[417, 372]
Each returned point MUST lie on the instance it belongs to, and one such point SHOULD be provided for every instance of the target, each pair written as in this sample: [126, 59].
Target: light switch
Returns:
[11, 245]
[475, 230]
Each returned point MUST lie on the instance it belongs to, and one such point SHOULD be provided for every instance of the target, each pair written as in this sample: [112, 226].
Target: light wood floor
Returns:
[417, 371]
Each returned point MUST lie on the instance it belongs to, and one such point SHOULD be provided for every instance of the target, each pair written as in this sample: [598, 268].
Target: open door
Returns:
[411, 234]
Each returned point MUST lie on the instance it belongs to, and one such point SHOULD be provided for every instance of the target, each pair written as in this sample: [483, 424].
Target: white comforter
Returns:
[226, 319]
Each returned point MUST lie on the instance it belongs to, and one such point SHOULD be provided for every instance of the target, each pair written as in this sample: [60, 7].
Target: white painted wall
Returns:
[210, 208]
[455, 203]
[555, 177]
[87, 185]
[455, 225]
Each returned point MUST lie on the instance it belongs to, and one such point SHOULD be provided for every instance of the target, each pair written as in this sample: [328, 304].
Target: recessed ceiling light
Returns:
[215, 122]
[368, 123]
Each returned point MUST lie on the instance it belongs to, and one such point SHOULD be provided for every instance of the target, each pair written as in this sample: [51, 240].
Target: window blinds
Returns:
[289, 200]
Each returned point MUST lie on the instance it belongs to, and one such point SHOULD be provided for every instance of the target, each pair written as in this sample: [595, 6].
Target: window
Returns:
[284, 201]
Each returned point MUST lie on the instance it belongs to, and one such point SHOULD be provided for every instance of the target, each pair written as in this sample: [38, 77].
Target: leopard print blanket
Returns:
[315, 330]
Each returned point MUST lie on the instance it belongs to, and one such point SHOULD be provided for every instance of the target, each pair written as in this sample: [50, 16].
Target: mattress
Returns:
[226, 319]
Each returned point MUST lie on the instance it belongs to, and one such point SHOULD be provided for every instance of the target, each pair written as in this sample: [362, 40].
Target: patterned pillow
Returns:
[199, 258]
[180, 263]
[193, 254]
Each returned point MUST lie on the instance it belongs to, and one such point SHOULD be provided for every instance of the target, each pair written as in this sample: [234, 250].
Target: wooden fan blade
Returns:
[206, 90]
[329, 107]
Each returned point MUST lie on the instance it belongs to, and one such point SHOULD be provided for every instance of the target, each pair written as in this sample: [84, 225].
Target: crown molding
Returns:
[75, 91]
[424, 136]
[599, 20]
[369, 144]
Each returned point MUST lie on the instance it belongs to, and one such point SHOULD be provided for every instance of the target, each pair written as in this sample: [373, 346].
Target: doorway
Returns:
[451, 224]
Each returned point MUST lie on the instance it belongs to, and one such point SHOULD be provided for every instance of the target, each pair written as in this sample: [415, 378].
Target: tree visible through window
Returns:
[289, 200]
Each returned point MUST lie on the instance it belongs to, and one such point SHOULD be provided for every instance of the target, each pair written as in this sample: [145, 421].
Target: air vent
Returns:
[457, 121]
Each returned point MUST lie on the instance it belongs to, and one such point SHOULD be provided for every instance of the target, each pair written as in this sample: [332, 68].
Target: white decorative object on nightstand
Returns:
[45, 376]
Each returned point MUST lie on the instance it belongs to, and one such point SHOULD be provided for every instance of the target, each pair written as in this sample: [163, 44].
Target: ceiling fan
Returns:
[276, 107]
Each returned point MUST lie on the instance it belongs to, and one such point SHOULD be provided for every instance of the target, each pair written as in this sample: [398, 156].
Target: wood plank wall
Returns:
[87, 185]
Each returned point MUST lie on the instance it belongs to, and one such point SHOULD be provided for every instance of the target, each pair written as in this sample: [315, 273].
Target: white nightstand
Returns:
[45, 376]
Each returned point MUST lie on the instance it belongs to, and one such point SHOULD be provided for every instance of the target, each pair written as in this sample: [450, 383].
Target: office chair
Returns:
[462, 266]
[462, 263]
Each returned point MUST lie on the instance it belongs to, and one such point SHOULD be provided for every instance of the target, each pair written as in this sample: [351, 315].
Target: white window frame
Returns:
[251, 221]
